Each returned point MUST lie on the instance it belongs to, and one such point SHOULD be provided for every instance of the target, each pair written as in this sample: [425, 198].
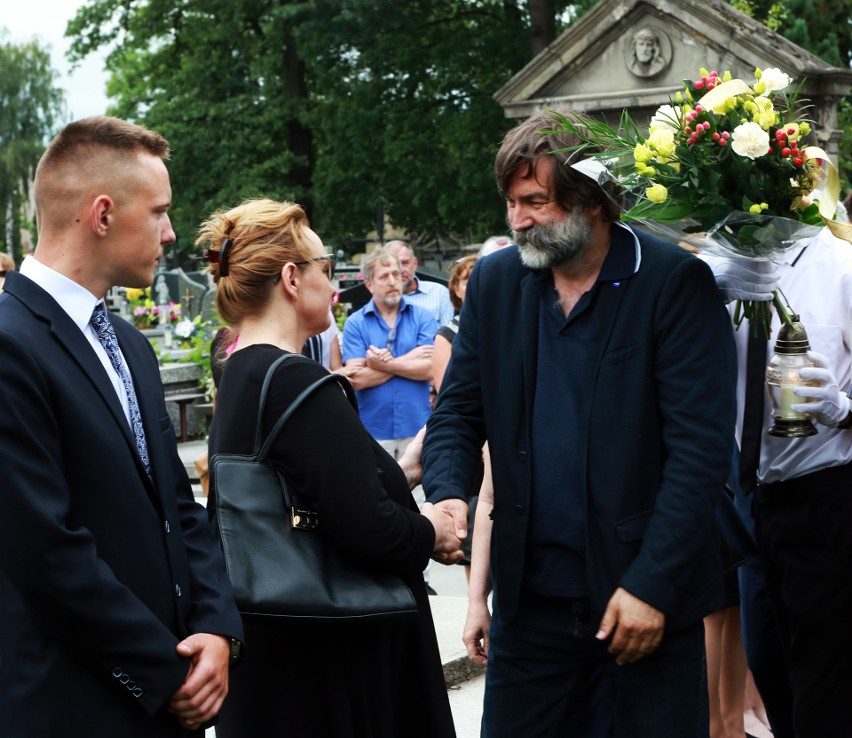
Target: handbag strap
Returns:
[261, 452]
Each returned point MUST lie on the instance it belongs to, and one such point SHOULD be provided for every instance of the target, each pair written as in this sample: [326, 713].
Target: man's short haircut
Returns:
[381, 256]
[83, 141]
[524, 145]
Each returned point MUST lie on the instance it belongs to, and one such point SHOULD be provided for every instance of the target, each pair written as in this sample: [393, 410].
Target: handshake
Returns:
[449, 517]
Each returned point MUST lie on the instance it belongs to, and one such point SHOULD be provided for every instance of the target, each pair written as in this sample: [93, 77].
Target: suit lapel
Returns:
[529, 321]
[45, 308]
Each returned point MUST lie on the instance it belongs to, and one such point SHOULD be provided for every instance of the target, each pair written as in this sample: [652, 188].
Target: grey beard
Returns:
[555, 244]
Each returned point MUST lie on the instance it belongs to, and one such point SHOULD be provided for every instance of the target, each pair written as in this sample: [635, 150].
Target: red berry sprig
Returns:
[709, 81]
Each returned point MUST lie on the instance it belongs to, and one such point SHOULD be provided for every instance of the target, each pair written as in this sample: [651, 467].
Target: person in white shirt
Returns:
[802, 501]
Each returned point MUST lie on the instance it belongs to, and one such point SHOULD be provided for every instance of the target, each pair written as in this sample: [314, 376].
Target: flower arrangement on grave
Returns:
[144, 313]
[727, 159]
[195, 335]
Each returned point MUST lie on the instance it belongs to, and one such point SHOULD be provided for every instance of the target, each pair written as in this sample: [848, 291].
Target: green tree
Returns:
[30, 107]
[823, 28]
[339, 104]
[221, 79]
[819, 26]
[404, 111]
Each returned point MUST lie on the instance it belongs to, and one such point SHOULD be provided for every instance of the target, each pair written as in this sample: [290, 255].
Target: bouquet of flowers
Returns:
[723, 158]
[144, 313]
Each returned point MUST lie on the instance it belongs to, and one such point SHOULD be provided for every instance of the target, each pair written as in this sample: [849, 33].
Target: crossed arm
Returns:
[379, 366]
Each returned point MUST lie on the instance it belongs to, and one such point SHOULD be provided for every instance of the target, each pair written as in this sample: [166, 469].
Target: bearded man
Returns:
[598, 363]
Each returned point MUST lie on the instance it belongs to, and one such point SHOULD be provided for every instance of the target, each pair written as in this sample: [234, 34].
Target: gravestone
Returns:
[178, 286]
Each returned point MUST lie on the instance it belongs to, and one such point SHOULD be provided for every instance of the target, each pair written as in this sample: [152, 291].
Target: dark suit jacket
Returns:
[102, 571]
[656, 426]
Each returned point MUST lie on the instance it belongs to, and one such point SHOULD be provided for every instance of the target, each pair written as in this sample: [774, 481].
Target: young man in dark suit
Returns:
[117, 618]
[597, 361]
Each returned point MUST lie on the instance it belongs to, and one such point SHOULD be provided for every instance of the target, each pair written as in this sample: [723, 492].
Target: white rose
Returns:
[184, 329]
[749, 139]
[774, 80]
[665, 117]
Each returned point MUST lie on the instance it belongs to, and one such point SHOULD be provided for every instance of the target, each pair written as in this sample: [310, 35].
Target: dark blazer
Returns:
[102, 571]
[656, 426]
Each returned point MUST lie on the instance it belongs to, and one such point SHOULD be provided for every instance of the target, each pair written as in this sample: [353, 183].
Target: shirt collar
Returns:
[622, 260]
[624, 257]
[370, 307]
[74, 299]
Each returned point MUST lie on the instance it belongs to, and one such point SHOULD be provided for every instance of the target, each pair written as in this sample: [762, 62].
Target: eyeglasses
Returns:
[330, 258]
[391, 339]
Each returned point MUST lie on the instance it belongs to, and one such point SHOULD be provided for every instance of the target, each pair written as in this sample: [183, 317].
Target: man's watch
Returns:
[236, 651]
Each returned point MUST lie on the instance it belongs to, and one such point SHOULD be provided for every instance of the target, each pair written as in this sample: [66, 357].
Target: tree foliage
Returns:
[30, 107]
[339, 104]
[819, 26]
[342, 105]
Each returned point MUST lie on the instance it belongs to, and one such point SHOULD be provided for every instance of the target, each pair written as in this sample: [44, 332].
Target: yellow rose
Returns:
[726, 106]
[804, 128]
[133, 293]
[763, 102]
[656, 193]
[644, 170]
[642, 154]
[662, 141]
[766, 119]
[751, 108]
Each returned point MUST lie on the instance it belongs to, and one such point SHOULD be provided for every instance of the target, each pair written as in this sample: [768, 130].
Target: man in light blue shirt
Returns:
[430, 295]
[387, 355]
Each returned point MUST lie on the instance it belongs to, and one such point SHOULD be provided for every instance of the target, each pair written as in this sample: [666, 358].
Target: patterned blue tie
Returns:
[106, 335]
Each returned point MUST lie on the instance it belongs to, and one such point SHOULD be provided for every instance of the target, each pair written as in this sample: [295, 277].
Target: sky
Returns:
[45, 20]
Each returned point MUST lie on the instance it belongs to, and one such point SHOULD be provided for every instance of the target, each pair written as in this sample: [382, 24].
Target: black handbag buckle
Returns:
[303, 519]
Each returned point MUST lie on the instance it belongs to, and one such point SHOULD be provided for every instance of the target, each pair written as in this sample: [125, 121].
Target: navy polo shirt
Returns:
[556, 541]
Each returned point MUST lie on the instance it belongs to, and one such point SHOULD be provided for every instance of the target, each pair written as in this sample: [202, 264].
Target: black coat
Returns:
[340, 681]
[102, 571]
[657, 422]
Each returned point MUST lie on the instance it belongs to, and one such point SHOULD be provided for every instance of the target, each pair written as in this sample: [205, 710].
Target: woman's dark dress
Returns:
[332, 681]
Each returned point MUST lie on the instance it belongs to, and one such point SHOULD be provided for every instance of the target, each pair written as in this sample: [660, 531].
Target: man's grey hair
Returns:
[381, 256]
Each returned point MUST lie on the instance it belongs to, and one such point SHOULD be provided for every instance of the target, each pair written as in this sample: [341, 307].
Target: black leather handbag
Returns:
[279, 561]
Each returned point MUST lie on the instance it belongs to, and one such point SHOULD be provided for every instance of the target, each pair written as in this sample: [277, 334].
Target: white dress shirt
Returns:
[79, 304]
[816, 279]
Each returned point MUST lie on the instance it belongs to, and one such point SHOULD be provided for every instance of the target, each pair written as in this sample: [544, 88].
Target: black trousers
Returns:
[549, 677]
[804, 535]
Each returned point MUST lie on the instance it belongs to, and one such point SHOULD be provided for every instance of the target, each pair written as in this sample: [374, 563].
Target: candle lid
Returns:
[792, 339]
